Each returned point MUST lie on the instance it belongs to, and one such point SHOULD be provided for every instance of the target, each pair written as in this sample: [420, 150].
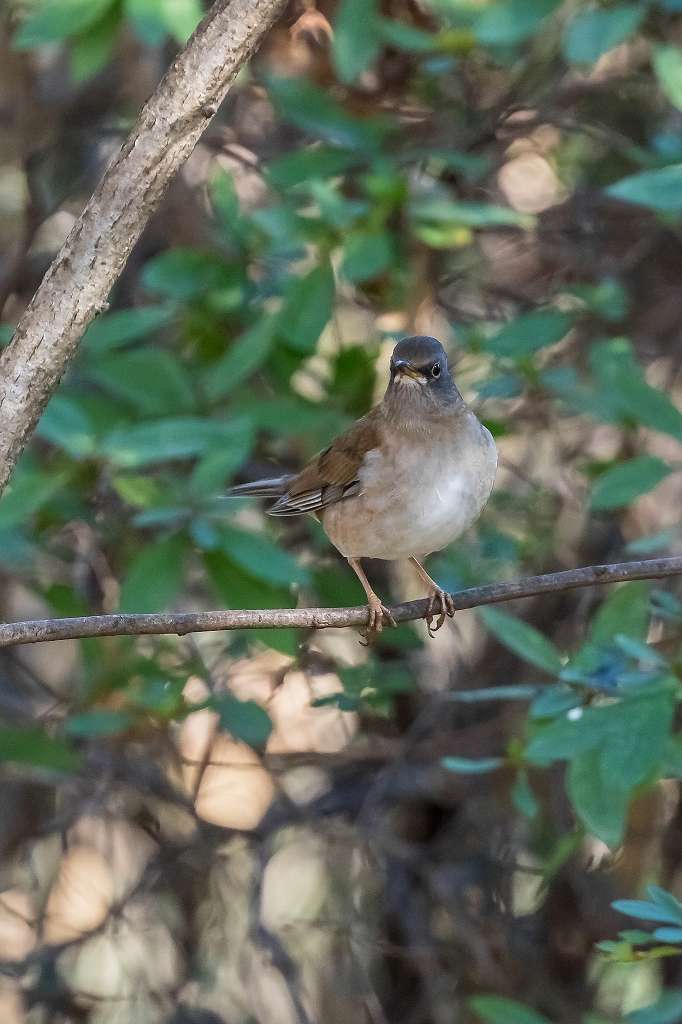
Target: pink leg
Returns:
[377, 610]
[438, 597]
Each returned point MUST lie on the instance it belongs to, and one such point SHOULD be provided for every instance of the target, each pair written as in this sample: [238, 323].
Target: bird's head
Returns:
[420, 372]
[421, 360]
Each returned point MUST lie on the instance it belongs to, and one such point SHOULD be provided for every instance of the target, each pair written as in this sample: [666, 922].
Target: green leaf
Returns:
[137, 490]
[146, 17]
[625, 610]
[286, 641]
[184, 274]
[307, 308]
[668, 934]
[623, 393]
[601, 803]
[523, 639]
[244, 357]
[519, 692]
[17, 553]
[555, 700]
[628, 738]
[335, 209]
[666, 1010]
[214, 468]
[499, 1010]
[644, 910]
[237, 588]
[34, 747]
[469, 214]
[505, 385]
[314, 111]
[636, 936]
[181, 17]
[660, 189]
[653, 543]
[512, 21]
[405, 37]
[102, 722]
[310, 163]
[288, 415]
[356, 42]
[627, 481]
[471, 766]
[29, 491]
[530, 332]
[607, 298]
[472, 166]
[644, 654]
[54, 20]
[157, 693]
[672, 758]
[264, 560]
[593, 33]
[152, 380]
[523, 797]
[367, 255]
[667, 62]
[92, 48]
[181, 437]
[243, 719]
[155, 576]
[664, 899]
[565, 737]
[635, 734]
[113, 330]
[66, 424]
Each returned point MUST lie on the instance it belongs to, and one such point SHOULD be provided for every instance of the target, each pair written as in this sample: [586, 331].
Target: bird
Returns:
[405, 480]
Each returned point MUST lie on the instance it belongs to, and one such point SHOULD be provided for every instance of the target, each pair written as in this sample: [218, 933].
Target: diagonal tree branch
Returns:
[180, 623]
[76, 286]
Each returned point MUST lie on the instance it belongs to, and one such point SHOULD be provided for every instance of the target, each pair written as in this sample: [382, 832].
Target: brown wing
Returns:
[333, 474]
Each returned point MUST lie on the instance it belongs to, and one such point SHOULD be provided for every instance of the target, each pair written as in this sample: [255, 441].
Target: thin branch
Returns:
[76, 286]
[180, 623]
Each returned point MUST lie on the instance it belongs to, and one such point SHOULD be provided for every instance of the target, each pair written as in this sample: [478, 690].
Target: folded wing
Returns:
[332, 475]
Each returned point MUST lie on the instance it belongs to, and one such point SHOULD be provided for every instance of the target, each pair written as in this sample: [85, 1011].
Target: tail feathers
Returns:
[273, 488]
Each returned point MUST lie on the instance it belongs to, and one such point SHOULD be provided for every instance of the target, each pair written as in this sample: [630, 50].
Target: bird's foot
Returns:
[440, 604]
[375, 622]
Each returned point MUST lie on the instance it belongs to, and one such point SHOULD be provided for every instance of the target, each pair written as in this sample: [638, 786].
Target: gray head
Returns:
[420, 371]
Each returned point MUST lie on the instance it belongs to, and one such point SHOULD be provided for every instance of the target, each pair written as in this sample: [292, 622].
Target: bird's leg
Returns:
[377, 609]
[437, 596]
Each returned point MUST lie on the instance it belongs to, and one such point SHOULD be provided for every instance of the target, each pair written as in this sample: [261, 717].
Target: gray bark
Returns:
[76, 286]
[181, 623]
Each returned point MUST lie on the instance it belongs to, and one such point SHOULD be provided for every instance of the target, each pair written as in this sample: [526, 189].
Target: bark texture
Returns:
[180, 623]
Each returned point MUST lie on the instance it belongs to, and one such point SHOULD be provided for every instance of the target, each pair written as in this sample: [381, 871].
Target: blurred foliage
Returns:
[506, 175]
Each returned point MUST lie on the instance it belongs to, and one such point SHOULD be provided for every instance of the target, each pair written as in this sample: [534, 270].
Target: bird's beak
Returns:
[405, 369]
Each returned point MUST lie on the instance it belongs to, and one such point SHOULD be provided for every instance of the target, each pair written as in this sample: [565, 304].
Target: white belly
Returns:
[416, 497]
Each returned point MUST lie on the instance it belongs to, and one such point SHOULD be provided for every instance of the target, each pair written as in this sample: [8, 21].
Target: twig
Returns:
[180, 623]
[77, 285]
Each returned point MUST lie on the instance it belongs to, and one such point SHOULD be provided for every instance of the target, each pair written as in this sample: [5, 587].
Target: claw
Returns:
[375, 622]
[446, 607]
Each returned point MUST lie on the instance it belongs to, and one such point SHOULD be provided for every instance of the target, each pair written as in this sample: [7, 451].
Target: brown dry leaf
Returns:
[81, 897]
[235, 789]
[17, 925]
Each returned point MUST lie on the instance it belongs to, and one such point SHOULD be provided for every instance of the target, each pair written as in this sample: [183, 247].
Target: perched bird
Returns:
[405, 480]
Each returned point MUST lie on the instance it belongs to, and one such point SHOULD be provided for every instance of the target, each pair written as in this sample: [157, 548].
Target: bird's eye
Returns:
[435, 370]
